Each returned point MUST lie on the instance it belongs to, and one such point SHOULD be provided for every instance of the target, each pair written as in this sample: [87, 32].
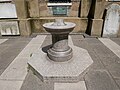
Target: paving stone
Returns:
[97, 65]
[103, 51]
[93, 41]
[1, 71]
[31, 82]
[7, 57]
[29, 50]
[111, 61]
[70, 86]
[10, 42]
[114, 69]
[115, 48]
[10, 85]
[17, 70]
[13, 48]
[100, 80]
[118, 82]
[77, 37]
[116, 40]
[2, 40]
[3, 48]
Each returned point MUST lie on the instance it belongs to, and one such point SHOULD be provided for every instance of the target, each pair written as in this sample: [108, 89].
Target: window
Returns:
[59, 1]
[59, 7]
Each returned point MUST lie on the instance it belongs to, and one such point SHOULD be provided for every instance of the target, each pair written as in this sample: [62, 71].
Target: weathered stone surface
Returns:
[10, 85]
[85, 7]
[118, 82]
[99, 9]
[81, 24]
[70, 86]
[25, 28]
[114, 69]
[100, 80]
[89, 44]
[33, 8]
[68, 71]
[21, 9]
[11, 49]
[44, 10]
[116, 40]
[32, 82]
[96, 29]
[75, 6]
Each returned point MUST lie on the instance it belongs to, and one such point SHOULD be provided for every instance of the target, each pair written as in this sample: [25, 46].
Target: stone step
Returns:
[3, 40]
[70, 86]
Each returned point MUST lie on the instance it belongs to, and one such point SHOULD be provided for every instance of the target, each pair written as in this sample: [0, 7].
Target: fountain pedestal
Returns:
[60, 51]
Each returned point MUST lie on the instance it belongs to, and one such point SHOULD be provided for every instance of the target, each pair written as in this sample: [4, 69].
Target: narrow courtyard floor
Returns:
[103, 74]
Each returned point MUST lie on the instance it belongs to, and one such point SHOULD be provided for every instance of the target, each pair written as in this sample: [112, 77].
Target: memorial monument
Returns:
[62, 62]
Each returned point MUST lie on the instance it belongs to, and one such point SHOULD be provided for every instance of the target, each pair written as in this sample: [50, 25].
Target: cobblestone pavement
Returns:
[103, 74]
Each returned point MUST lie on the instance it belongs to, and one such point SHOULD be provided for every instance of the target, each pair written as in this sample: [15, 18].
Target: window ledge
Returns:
[59, 4]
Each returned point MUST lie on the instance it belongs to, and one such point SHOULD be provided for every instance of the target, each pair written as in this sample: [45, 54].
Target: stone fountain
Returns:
[60, 30]
[63, 62]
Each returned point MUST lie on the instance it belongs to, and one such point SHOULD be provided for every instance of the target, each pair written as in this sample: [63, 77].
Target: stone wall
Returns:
[89, 15]
[81, 24]
[40, 13]
[98, 20]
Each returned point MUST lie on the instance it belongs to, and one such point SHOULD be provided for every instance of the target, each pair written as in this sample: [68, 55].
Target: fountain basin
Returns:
[59, 29]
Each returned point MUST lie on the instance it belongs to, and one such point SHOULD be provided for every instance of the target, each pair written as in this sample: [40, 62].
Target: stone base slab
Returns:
[70, 86]
[69, 71]
[96, 29]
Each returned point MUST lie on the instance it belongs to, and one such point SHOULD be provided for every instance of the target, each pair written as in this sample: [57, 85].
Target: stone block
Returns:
[70, 86]
[99, 8]
[69, 71]
[33, 8]
[97, 25]
[73, 13]
[118, 32]
[81, 24]
[85, 7]
[44, 9]
[118, 82]
[21, 8]
[100, 80]
[74, 9]
[25, 28]
[75, 6]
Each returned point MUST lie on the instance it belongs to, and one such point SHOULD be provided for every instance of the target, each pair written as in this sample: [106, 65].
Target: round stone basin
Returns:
[60, 51]
[56, 29]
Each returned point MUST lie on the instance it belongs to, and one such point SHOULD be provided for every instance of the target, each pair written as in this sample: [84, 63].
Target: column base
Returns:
[60, 56]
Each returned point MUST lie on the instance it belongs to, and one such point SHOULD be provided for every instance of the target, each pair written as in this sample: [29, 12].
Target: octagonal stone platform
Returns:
[69, 71]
